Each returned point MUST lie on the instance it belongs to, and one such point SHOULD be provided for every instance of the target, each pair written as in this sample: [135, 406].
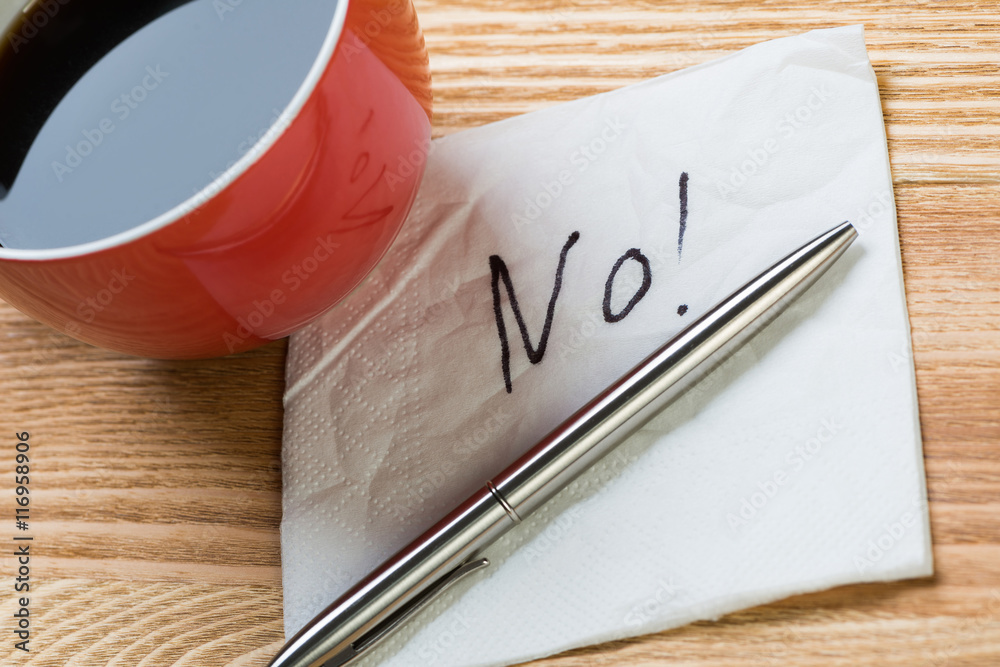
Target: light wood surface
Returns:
[156, 485]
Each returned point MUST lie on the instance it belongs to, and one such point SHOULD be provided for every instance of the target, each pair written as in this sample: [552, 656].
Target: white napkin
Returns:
[795, 467]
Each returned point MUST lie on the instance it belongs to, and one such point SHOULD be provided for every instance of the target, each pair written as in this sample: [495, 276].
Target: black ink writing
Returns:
[647, 280]
[684, 214]
[498, 271]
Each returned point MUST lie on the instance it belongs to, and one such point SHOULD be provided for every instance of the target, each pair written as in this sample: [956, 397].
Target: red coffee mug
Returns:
[278, 239]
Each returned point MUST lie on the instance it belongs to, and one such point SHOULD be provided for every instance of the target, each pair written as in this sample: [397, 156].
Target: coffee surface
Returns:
[118, 128]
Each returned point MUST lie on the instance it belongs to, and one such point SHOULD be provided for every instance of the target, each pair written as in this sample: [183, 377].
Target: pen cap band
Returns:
[503, 503]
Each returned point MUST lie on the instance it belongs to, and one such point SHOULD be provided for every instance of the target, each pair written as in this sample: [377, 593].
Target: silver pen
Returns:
[453, 547]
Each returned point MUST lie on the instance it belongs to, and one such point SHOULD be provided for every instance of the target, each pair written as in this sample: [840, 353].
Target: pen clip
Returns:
[401, 615]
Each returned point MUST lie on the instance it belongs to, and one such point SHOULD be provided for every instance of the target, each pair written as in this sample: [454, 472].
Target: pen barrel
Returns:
[647, 389]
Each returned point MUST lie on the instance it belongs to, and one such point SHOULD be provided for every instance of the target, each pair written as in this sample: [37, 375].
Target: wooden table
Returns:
[157, 484]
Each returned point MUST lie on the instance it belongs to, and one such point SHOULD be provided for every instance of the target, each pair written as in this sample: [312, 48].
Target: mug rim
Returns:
[221, 182]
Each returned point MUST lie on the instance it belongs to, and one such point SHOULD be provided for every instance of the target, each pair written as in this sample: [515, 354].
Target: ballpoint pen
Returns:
[453, 547]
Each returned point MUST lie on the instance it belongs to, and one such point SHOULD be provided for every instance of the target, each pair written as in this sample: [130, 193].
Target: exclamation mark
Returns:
[683, 184]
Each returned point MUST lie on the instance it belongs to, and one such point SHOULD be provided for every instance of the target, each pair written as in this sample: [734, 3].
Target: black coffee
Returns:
[114, 112]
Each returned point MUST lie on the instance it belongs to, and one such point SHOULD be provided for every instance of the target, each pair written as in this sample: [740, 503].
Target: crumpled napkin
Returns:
[794, 467]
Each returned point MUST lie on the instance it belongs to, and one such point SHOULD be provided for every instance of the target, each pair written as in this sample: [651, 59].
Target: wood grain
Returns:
[158, 484]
